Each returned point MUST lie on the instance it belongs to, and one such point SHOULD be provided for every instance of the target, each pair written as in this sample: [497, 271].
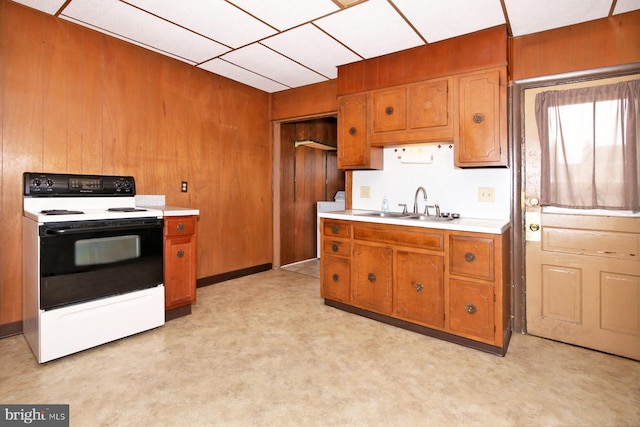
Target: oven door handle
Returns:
[66, 231]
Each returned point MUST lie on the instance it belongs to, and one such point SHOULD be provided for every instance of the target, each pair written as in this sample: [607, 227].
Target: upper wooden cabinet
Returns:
[354, 147]
[481, 119]
[419, 112]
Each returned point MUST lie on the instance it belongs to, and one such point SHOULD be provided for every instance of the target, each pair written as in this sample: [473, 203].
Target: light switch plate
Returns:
[365, 192]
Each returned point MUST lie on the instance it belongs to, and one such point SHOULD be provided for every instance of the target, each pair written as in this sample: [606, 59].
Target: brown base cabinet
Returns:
[453, 285]
[180, 262]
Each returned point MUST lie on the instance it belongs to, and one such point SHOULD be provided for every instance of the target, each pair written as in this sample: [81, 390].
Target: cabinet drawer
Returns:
[336, 247]
[179, 226]
[338, 229]
[336, 276]
[471, 309]
[472, 257]
[400, 235]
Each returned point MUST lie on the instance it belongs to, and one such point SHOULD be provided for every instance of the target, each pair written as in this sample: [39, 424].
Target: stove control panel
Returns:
[65, 185]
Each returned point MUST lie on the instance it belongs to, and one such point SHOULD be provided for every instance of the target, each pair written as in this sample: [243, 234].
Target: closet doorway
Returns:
[308, 174]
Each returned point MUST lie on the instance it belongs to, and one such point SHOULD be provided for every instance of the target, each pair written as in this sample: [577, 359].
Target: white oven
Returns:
[92, 263]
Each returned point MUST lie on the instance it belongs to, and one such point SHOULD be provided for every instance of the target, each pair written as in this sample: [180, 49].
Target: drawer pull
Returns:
[419, 287]
[352, 131]
[371, 277]
[180, 253]
[335, 277]
[335, 229]
[180, 226]
[335, 247]
[389, 110]
[470, 308]
[469, 256]
[478, 118]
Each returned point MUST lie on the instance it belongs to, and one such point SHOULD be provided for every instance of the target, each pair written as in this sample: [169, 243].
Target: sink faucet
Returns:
[415, 199]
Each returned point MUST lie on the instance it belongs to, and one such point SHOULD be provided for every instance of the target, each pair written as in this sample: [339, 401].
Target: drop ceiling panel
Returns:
[439, 20]
[216, 19]
[541, 15]
[264, 61]
[233, 72]
[372, 28]
[47, 6]
[115, 17]
[623, 6]
[310, 46]
[285, 14]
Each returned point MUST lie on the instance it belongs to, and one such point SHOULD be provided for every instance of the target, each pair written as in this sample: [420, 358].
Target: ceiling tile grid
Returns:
[371, 29]
[310, 46]
[275, 45]
[132, 24]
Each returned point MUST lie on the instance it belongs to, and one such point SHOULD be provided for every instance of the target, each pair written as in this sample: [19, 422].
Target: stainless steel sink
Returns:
[423, 217]
[384, 214]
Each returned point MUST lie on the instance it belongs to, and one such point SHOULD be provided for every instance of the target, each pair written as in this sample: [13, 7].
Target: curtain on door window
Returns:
[589, 146]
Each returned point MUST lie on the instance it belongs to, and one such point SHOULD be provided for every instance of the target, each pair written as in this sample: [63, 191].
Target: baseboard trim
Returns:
[174, 313]
[210, 280]
[499, 351]
[10, 329]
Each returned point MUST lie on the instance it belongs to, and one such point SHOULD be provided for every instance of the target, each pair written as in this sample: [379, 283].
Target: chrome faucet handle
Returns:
[404, 210]
[437, 210]
[436, 207]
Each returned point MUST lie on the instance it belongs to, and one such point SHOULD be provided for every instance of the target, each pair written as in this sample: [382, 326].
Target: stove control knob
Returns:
[49, 182]
[36, 182]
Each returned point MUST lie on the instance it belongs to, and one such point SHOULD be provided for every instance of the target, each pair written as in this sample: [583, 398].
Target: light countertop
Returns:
[477, 225]
[175, 210]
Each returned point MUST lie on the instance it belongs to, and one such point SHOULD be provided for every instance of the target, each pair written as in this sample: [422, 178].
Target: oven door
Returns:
[86, 260]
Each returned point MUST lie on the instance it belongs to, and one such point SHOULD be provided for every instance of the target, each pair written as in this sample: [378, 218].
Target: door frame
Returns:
[275, 178]
[516, 135]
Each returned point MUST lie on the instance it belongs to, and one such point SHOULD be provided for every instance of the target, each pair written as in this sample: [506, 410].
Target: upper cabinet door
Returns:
[429, 104]
[354, 150]
[389, 109]
[482, 133]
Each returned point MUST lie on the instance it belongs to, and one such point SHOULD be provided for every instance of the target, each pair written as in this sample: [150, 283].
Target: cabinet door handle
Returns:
[478, 118]
[352, 130]
[180, 227]
[335, 277]
[419, 287]
[180, 253]
[470, 308]
[469, 256]
[335, 229]
[389, 110]
[371, 277]
[335, 247]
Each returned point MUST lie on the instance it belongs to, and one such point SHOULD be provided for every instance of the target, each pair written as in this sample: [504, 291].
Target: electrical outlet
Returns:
[183, 187]
[486, 194]
[365, 192]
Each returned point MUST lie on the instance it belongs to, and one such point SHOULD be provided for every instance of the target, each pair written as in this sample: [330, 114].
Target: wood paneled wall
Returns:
[594, 44]
[77, 101]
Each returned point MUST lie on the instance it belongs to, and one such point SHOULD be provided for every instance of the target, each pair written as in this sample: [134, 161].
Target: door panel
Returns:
[582, 271]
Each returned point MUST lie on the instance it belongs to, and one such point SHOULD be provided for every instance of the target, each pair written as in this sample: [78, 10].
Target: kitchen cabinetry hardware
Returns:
[180, 270]
[335, 247]
[445, 283]
[470, 308]
[478, 118]
[534, 201]
[388, 111]
[335, 229]
[352, 130]
[534, 227]
[335, 277]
